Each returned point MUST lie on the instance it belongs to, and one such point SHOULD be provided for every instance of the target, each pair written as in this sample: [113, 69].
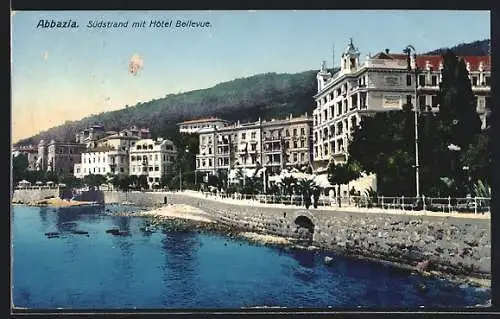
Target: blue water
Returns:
[193, 270]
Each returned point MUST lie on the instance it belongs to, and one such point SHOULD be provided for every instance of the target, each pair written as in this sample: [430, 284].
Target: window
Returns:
[408, 99]
[408, 79]
[122, 170]
[295, 130]
[434, 101]
[434, 79]
[243, 136]
[302, 157]
[156, 157]
[157, 168]
[254, 135]
[294, 157]
[474, 80]
[150, 179]
[487, 80]
[294, 144]
[210, 162]
[139, 147]
[150, 157]
[150, 168]
[421, 100]
[421, 80]
[302, 143]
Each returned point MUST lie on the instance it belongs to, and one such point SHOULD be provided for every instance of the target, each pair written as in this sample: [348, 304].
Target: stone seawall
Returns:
[33, 195]
[452, 245]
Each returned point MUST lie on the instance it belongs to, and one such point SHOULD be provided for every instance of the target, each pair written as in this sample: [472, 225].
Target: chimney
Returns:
[386, 51]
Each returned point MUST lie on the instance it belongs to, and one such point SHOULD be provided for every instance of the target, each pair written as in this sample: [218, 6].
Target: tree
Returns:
[142, 182]
[19, 167]
[51, 176]
[71, 181]
[457, 108]
[460, 127]
[94, 180]
[344, 173]
[382, 145]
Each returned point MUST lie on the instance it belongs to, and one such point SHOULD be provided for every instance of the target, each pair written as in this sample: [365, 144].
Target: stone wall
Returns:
[451, 244]
[33, 195]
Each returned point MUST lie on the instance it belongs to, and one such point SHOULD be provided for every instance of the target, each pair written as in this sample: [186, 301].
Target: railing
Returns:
[38, 187]
[471, 205]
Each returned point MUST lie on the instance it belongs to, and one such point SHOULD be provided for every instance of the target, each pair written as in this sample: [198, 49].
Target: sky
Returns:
[61, 75]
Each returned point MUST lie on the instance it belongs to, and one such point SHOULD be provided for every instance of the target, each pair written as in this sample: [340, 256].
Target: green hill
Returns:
[480, 47]
[266, 95]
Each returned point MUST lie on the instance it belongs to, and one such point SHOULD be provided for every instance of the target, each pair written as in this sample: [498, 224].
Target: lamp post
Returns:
[180, 171]
[409, 49]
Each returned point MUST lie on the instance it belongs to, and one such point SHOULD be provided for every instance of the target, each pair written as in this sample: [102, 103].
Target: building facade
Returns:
[381, 83]
[193, 126]
[152, 158]
[287, 143]
[274, 144]
[102, 161]
[59, 157]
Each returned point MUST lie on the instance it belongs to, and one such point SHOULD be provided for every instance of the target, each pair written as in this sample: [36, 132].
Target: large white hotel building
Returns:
[381, 83]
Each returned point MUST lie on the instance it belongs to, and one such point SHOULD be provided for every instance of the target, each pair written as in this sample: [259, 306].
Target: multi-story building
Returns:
[287, 143]
[31, 153]
[95, 133]
[152, 158]
[102, 160]
[381, 83]
[193, 126]
[273, 144]
[238, 144]
[90, 135]
[59, 157]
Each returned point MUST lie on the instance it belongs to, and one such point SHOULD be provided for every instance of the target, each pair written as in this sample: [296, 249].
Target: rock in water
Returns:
[51, 234]
[328, 260]
[423, 265]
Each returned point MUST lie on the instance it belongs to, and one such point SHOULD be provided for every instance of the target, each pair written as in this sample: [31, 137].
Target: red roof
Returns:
[209, 119]
[435, 60]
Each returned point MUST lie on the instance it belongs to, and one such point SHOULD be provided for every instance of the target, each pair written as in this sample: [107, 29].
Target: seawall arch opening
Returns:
[304, 228]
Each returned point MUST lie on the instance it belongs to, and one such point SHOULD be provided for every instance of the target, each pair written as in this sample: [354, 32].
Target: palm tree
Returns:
[308, 187]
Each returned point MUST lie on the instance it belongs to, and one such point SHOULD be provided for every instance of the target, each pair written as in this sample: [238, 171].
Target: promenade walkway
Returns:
[352, 209]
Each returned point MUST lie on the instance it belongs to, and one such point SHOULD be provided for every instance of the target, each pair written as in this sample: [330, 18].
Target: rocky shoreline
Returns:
[426, 268]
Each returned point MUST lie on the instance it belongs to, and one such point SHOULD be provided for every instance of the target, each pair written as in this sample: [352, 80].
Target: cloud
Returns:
[45, 55]
[135, 64]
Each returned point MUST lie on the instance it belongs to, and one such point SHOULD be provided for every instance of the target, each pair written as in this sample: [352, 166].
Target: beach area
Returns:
[55, 202]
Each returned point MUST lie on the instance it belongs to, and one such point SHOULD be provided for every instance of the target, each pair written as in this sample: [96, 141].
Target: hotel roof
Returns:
[435, 60]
